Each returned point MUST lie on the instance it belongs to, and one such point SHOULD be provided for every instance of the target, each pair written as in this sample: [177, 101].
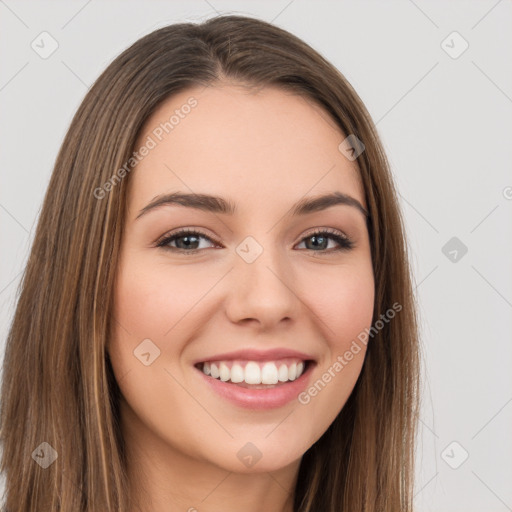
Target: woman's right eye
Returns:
[186, 240]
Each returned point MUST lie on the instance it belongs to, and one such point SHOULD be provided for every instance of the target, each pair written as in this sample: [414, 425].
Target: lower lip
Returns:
[269, 398]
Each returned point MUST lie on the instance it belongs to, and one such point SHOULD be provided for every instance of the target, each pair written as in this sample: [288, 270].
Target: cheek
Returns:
[343, 301]
[144, 309]
[343, 304]
[151, 300]
[156, 303]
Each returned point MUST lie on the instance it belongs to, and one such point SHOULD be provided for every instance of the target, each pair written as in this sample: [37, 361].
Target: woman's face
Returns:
[254, 293]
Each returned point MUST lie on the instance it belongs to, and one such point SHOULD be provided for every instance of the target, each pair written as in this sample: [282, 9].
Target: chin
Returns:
[259, 455]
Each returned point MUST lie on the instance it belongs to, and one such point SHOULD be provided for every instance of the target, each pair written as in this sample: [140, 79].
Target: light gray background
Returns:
[447, 127]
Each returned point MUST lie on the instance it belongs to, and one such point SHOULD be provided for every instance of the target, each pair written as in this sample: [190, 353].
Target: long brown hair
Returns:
[58, 385]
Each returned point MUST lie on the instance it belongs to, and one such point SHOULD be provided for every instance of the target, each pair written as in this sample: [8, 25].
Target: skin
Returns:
[263, 150]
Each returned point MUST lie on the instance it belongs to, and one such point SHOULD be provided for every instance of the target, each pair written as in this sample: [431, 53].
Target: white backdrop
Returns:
[437, 79]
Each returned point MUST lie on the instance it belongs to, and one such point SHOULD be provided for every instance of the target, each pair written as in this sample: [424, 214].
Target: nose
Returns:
[263, 291]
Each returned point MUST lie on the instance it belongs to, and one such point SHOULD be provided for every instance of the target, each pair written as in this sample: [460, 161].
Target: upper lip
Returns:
[257, 355]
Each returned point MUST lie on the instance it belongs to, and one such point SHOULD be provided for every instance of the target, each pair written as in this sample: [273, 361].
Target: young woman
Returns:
[217, 311]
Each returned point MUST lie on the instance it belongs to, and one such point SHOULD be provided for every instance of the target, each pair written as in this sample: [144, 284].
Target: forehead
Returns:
[251, 146]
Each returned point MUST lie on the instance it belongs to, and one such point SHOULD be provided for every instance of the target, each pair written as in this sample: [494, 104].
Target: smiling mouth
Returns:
[256, 374]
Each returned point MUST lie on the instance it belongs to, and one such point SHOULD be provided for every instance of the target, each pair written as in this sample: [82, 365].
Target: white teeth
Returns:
[283, 373]
[269, 374]
[224, 372]
[237, 373]
[292, 371]
[214, 371]
[254, 372]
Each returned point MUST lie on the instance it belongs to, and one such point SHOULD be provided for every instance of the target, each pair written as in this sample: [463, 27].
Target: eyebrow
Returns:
[216, 204]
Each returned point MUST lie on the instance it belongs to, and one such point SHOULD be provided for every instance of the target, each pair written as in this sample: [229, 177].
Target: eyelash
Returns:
[344, 242]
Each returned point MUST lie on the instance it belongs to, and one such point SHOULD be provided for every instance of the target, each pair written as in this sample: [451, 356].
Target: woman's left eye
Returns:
[321, 239]
[188, 241]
